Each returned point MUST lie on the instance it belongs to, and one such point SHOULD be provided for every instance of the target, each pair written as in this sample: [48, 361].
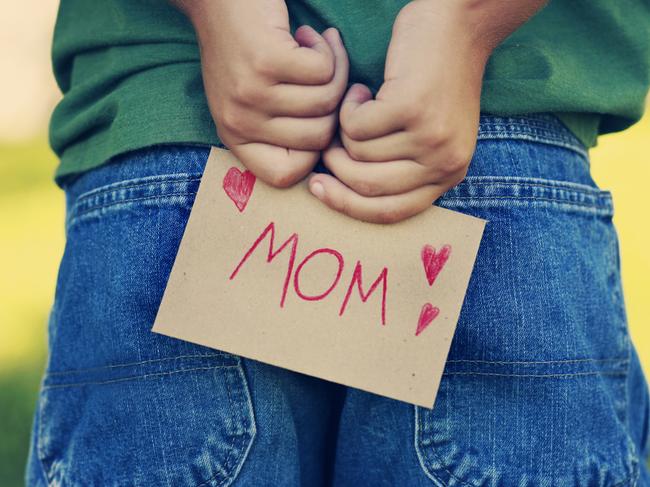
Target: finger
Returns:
[309, 62]
[362, 117]
[275, 165]
[382, 209]
[312, 100]
[396, 145]
[290, 132]
[375, 178]
[297, 133]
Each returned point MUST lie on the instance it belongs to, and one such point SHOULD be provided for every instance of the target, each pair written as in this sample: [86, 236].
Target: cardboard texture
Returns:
[276, 276]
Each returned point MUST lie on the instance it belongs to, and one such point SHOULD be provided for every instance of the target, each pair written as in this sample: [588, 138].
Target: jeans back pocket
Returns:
[179, 421]
[534, 389]
[121, 405]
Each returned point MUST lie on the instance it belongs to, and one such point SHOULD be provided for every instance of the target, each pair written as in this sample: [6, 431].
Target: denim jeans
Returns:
[542, 386]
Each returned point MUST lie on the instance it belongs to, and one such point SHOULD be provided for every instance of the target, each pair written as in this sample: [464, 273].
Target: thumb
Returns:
[314, 54]
[356, 95]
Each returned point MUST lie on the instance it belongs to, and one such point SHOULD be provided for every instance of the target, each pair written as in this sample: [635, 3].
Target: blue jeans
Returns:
[542, 386]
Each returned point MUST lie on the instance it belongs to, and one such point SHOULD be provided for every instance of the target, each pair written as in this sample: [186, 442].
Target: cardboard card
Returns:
[276, 276]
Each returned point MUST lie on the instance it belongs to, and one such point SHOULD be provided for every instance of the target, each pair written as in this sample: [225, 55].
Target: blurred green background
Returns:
[32, 213]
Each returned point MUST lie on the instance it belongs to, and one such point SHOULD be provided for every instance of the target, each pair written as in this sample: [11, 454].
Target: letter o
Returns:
[323, 295]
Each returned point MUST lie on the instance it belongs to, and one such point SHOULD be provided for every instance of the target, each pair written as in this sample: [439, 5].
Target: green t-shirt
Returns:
[130, 69]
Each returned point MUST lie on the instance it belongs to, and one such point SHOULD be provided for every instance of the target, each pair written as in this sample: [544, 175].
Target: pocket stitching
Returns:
[427, 471]
[536, 182]
[425, 468]
[253, 433]
[131, 184]
[74, 219]
[251, 430]
[131, 364]
[131, 378]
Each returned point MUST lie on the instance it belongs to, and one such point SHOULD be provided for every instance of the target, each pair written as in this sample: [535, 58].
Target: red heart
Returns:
[239, 186]
[434, 262]
[427, 315]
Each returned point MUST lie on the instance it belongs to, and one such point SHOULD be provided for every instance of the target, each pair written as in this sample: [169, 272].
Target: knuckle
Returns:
[458, 158]
[345, 207]
[326, 104]
[319, 139]
[231, 118]
[355, 151]
[366, 187]
[262, 63]
[243, 90]
[324, 72]
[283, 178]
[390, 214]
[351, 128]
[410, 110]
[435, 136]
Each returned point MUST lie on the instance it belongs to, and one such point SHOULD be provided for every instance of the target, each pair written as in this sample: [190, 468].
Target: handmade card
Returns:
[276, 276]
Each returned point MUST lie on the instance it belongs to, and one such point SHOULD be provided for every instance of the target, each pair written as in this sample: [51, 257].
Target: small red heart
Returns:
[434, 262]
[427, 315]
[239, 186]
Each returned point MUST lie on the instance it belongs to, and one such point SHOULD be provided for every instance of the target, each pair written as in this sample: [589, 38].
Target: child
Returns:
[466, 103]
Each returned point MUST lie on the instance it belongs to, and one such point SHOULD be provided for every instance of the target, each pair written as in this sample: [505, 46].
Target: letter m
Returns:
[357, 279]
[270, 230]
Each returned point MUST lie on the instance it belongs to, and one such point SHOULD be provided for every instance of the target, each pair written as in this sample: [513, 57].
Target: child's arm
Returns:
[273, 97]
[412, 143]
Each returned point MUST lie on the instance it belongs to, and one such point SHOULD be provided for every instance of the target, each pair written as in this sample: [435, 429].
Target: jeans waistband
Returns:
[532, 146]
[539, 127]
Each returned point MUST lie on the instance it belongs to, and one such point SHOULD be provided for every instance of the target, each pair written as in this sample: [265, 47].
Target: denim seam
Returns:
[228, 479]
[526, 362]
[76, 217]
[543, 132]
[39, 443]
[435, 479]
[251, 415]
[227, 460]
[633, 459]
[150, 181]
[522, 182]
[427, 470]
[132, 364]
[557, 142]
[559, 376]
[586, 207]
[596, 208]
[39, 450]
[554, 200]
[144, 376]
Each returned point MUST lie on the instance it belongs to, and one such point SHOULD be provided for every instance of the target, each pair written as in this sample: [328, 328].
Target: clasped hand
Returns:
[280, 101]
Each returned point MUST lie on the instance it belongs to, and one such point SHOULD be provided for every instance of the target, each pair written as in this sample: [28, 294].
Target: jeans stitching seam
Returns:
[536, 138]
[418, 450]
[566, 375]
[39, 446]
[230, 452]
[131, 364]
[125, 379]
[524, 362]
[602, 208]
[555, 200]
[124, 185]
[438, 460]
[561, 186]
[543, 134]
[435, 478]
[229, 479]
[73, 219]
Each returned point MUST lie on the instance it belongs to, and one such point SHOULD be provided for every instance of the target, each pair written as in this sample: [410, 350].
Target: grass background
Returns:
[32, 240]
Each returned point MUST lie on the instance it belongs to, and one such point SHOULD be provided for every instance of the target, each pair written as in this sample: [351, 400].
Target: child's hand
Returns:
[401, 151]
[274, 98]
